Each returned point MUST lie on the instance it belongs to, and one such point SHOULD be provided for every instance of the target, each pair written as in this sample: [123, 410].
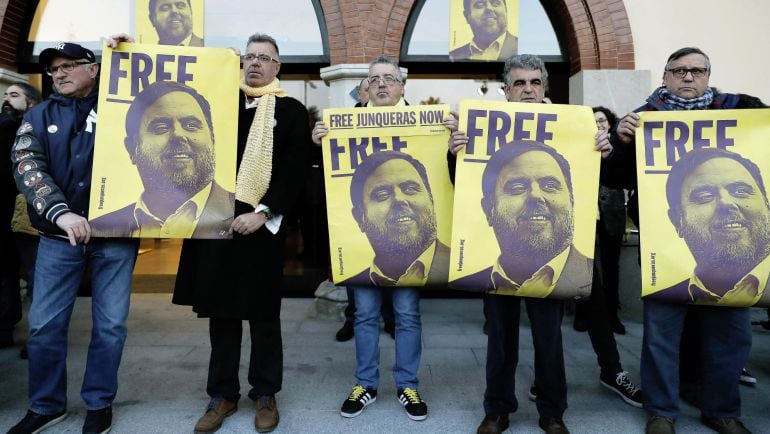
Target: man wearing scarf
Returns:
[725, 331]
[229, 281]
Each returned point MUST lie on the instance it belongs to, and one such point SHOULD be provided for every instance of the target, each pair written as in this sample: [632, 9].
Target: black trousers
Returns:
[265, 363]
[599, 328]
[545, 316]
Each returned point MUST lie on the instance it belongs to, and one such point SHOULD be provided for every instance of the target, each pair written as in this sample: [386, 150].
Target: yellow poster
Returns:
[165, 151]
[483, 29]
[170, 22]
[703, 206]
[526, 200]
[389, 197]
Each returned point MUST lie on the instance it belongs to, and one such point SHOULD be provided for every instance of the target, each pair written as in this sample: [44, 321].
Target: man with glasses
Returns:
[52, 159]
[725, 331]
[237, 280]
[386, 89]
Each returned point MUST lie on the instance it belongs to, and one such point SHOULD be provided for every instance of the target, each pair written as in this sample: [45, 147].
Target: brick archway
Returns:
[595, 33]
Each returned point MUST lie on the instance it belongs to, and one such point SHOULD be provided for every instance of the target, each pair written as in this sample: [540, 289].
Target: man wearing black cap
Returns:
[52, 160]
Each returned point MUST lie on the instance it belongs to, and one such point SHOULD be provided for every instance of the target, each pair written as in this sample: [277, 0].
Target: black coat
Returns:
[241, 278]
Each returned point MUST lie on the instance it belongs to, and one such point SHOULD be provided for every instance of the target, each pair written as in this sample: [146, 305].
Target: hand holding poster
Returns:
[166, 167]
[389, 197]
[702, 194]
[525, 200]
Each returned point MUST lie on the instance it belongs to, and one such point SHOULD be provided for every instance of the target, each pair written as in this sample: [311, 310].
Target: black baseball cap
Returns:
[66, 49]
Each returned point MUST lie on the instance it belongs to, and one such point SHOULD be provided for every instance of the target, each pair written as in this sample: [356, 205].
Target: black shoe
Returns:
[36, 422]
[345, 333]
[532, 394]
[493, 424]
[390, 328]
[747, 379]
[98, 421]
[580, 324]
[621, 385]
[725, 425]
[659, 425]
[618, 326]
[414, 406]
[553, 425]
[356, 402]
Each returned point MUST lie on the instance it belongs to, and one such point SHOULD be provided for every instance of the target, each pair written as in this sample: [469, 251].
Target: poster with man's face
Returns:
[164, 158]
[389, 196]
[526, 196]
[483, 30]
[170, 22]
[703, 195]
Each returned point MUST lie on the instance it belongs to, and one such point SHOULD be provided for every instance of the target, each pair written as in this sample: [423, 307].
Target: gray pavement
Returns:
[163, 375]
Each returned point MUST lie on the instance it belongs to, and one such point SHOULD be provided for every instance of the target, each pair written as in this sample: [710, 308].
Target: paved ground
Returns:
[162, 378]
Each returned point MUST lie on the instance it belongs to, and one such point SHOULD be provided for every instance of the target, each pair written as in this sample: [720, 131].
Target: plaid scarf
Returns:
[256, 169]
[669, 101]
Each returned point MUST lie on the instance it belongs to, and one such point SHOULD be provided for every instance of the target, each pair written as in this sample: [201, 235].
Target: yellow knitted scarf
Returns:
[257, 163]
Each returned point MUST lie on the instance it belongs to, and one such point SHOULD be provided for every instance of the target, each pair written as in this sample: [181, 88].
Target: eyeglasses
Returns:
[389, 80]
[682, 72]
[261, 58]
[65, 67]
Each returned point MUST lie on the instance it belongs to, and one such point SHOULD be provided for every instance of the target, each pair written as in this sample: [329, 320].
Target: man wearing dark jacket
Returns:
[229, 281]
[19, 98]
[52, 160]
[726, 339]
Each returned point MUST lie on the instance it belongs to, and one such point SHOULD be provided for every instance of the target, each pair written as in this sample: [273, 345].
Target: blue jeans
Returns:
[58, 272]
[725, 341]
[406, 307]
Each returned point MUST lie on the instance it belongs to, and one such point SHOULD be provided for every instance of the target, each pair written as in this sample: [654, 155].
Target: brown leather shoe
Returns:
[266, 418]
[493, 424]
[215, 415]
[553, 425]
[659, 425]
[727, 425]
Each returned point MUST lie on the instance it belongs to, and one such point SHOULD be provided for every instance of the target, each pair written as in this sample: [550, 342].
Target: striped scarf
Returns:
[256, 168]
[673, 102]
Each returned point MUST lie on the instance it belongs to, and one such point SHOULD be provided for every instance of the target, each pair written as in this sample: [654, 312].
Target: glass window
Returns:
[227, 23]
[430, 34]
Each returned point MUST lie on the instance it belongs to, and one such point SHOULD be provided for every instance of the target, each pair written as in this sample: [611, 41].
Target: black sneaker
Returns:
[358, 399]
[532, 394]
[98, 421]
[621, 385]
[415, 407]
[345, 333]
[36, 422]
[747, 378]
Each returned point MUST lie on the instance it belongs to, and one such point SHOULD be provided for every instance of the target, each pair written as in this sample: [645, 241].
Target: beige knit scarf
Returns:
[257, 163]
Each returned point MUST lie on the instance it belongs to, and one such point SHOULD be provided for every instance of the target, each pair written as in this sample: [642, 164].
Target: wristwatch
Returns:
[266, 211]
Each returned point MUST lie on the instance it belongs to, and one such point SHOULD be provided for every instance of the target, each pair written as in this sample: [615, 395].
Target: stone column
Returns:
[620, 90]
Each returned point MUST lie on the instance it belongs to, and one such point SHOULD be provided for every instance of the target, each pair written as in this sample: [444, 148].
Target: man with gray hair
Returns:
[386, 89]
[237, 280]
[526, 80]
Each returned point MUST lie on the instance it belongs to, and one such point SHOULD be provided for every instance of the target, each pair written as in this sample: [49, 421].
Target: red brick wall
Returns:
[11, 16]
[597, 33]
